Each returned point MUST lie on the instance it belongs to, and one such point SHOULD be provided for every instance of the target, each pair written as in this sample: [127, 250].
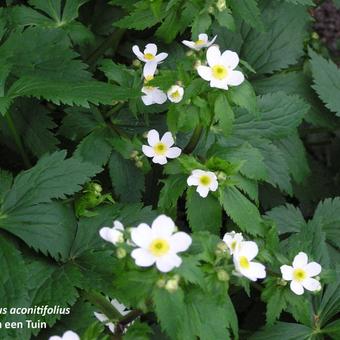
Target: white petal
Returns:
[147, 100]
[111, 327]
[203, 191]
[118, 225]
[153, 137]
[230, 59]
[257, 270]
[138, 53]
[160, 57]
[69, 335]
[312, 269]
[168, 262]
[148, 151]
[167, 139]
[203, 37]
[162, 226]
[151, 48]
[213, 55]
[101, 317]
[104, 233]
[141, 235]
[249, 249]
[192, 180]
[180, 242]
[173, 152]
[149, 69]
[300, 260]
[159, 97]
[213, 186]
[204, 72]
[119, 306]
[219, 84]
[160, 160]
[55, 337]
[287, 272]
[143, 258]
[198, 173]
[235, 78]
[296, 288]
[212, 40]
[189, 44]
[311, 284]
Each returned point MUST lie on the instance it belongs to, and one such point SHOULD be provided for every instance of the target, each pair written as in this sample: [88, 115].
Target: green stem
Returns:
[111, 41]
[194, 140]
[121, 325]
[17, 140]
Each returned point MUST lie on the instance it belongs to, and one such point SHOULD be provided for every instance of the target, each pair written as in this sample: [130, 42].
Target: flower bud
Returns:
[221, 176]
[134, 154]
[189, 53]
[281, 282]
[136, 63]
[221, 5]
[222, 247]
[121, 253]
[223, 276]
[211, 9]
[139, 164]
[171, 285]
[197, 64]
[97, 188]
[161, 283]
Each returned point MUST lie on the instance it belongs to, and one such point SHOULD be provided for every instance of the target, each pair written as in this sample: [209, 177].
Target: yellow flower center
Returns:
[160, 149]
[205, 180]
[159, 247]
[175, 95]
[244, 263]
[233, 245]
[219, 72]
[149, 56]
[199, 42]
[299, 275]
[148, 78]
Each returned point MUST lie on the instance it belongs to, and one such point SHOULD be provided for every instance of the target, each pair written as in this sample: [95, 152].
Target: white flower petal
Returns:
[69, 335]
[180, 242]
[148, 151]
[101, 317]
[204, 72]
[153, 137]
[147, 100]
[203, 191]
[104, 233]
[118, 225]
[300, 260]
[149, 69]
[203, 37]
[230, 59]
[120, 307]
[287, 272]
[311, 284]
[162, 226]
[192, 180]
[198, 173]
[142, 257]
[151, 48]
[167, 139]
[219, 84]
[296, 287]
[213, 55]
[173, 152]
[111, 327]
[257, 270]
[189, 44]
[168, 262]
[214, 185]
[160, 57]
[312, 269]
[235, 78]
[212, 40]
[138, 53]
[160, 160]
[55, 337]
[249, 249]
[141, 235]
[159, 97]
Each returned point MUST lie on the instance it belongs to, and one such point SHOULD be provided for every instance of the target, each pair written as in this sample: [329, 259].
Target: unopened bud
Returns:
[134, 154]
[221, 176]
[221, 5]
[189, 53]
[97, 188]
[223, 276]
[222, 246]
[136, 63]
[197, 64]
[161, 283]
[171, 285]
[139, 164]
[121, 253]
[315, 36]
[211, 9]
[282, 282]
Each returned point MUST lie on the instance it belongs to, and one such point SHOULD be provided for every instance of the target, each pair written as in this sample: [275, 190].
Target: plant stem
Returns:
[17, 140]
[134, 314]
[194, 139]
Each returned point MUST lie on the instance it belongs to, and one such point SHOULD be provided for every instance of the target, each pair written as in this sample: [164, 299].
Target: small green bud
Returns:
[134, 154]
[315, 36]
[121, 253]
[189, 53]
[282, 282]
[221, 5]
[223, 276]
[222, 247]
[221, 176]
[136, 63]
[97, 188]
[139, 164]
[171, 285]
[161, 283]
[211, 9]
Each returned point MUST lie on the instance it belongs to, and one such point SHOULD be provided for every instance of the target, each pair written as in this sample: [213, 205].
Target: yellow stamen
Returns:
[159, 247]
[244, 263]
[299, 275]
[219, 72]
[175, 95]
[205, 180]
[160, 149]
[148, 78]
[233, 245]
[199, 42]
[149, 56]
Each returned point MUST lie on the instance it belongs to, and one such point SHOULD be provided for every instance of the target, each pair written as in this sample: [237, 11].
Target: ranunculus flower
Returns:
[202, 42]
[114, 234]
[149, 54]
[153, 95]
[204, 180]
[175, 93]
[233, 241]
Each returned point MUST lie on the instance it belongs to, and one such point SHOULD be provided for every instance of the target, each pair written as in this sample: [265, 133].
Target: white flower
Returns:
[247, 251]
[233, 241]
[202, 42]
[220, 71]
[175, 93]
[149, 54]
[114, 234]
[160, 149]
[204, 180]
[104, 319]
[69, 335]
[159, 244]
[149, 71]
[153, 95]
[301, 274]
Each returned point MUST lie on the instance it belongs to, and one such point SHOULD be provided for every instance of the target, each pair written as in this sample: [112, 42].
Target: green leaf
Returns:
[138, 331]
[326, 77]
[243, 212]
[302, 2]
[224, 114]
[123, 173]
[247, 186]
[6, 179]
[203, 213]
[244, 96]
[275, 304]
[333, 329]
[201, 24]
[249, 12]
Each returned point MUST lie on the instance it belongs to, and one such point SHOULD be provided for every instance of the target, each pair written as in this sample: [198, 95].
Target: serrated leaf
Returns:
[248, 10]
[224, 114]
[244, 96]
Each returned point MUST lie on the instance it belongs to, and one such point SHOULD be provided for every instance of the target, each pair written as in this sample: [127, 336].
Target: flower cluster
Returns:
[243, 253]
